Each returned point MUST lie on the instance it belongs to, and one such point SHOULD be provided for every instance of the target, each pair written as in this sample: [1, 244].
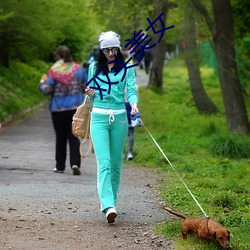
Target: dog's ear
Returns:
[228, 237]
[214, 235]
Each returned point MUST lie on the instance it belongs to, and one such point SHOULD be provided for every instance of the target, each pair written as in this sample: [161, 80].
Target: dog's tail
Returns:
[175, 213]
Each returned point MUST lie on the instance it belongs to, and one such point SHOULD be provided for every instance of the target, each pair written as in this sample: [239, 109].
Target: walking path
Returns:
[40, 209]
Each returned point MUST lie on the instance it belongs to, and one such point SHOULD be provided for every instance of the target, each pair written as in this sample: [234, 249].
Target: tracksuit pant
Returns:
[108, 133]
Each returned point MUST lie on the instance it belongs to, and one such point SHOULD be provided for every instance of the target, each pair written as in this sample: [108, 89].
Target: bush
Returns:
[231, 146]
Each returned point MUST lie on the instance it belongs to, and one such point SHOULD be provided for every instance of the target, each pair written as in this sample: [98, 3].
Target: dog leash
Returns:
[174, 169]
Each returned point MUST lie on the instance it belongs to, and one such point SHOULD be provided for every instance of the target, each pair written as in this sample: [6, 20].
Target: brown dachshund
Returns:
[204, 229]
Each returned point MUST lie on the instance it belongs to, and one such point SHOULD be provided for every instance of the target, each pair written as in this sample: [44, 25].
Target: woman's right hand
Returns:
[89, 91]
[134, 109]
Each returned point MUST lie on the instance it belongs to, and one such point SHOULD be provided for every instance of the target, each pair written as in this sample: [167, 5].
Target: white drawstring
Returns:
[111, 117]
[109, 112]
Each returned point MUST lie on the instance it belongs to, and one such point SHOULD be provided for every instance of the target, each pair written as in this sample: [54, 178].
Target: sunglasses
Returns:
[106, 51]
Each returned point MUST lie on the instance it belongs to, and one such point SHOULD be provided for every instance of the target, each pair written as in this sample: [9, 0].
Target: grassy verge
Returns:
[214, 164]
[19, 89]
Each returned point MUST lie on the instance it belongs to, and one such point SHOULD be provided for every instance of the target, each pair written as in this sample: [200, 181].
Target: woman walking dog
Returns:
[109, 123]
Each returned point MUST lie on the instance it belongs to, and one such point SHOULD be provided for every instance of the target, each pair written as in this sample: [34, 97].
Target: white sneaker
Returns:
[130, 156]
[58, 171]
[111, 214]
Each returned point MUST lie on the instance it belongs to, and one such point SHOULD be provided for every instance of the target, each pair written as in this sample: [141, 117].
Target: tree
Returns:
[24, 32]
[201, 99]
[132, 16]
[223, 38]
[156, 72]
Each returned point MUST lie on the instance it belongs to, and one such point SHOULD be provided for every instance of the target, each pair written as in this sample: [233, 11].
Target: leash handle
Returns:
[174, 170]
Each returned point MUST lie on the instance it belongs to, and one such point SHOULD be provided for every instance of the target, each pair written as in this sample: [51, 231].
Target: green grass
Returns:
[214, 164]
[19, 88]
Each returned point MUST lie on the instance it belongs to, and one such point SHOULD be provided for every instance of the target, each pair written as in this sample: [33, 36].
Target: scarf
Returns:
[63, 72]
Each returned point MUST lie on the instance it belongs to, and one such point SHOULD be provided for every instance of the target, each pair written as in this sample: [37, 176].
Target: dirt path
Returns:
[43, 210]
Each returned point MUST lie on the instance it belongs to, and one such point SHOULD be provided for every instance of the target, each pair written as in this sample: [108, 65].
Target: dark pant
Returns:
[130, 129]
[131, 139]
[147, 65]
[62, 122]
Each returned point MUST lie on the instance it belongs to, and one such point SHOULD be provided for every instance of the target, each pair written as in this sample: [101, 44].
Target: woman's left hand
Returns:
[134, 109]
[89, 91]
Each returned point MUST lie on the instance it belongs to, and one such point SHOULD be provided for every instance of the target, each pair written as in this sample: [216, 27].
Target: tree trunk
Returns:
[156, 71]
[223, 38]
[235, 109]
[201, 99]
[159, 51]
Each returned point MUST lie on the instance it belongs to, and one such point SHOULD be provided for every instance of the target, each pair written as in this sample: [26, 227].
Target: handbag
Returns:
[81, 126]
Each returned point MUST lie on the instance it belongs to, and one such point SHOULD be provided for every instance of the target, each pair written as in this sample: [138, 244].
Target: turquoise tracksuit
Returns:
[109, 129]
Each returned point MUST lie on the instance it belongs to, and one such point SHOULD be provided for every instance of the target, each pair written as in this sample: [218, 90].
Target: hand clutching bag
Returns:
[81, 125]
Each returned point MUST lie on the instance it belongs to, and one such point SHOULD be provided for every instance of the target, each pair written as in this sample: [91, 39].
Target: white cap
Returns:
[109, 39]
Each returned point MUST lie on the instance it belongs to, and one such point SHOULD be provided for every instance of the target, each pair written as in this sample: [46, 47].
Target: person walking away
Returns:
[128, 109]
[65, 84]
[109, 123]
[147, 59]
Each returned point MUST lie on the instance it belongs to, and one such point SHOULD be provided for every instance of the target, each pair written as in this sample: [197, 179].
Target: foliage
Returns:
[19, 88]
[177, 15]
[242, 37]
[132, 15]
[243, 60]
[41, 30]
[219, 183]
[241, 17]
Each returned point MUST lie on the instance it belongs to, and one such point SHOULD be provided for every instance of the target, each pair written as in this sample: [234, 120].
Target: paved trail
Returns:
[43, 210]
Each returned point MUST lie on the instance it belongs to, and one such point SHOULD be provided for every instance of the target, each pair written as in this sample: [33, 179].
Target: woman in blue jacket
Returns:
[65, 84]
[109, 123]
